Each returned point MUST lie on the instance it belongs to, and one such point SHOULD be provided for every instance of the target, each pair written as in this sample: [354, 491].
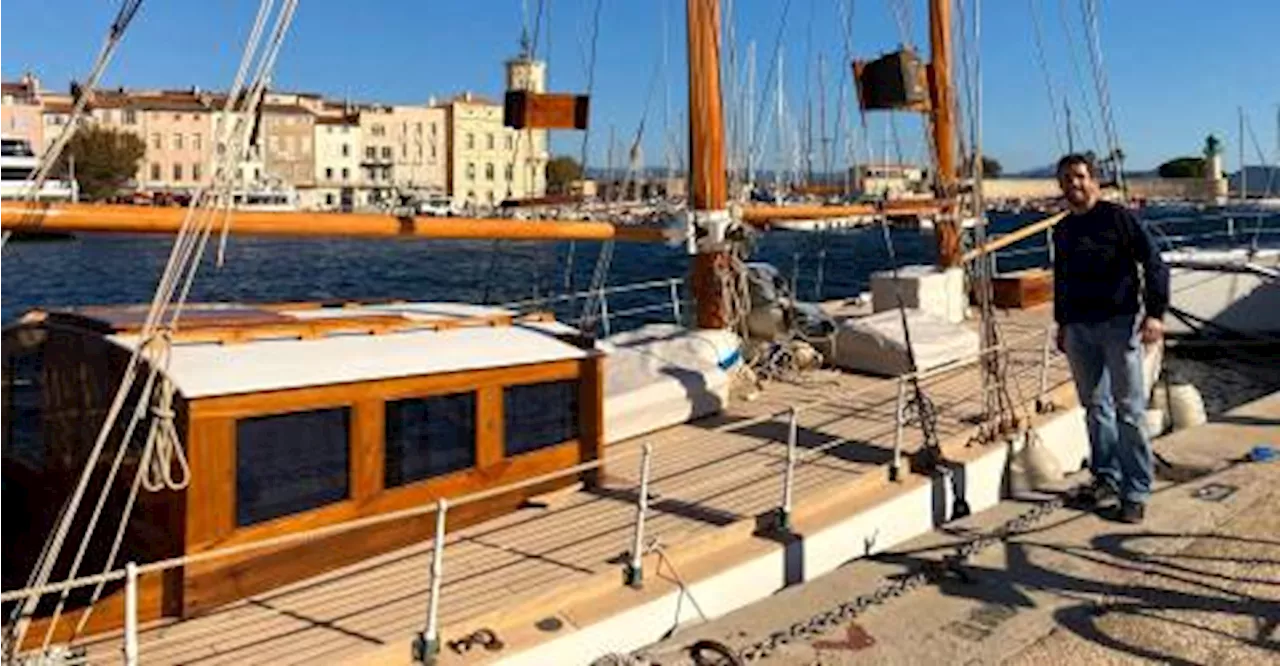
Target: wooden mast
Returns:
[706, 155]
[942, 107]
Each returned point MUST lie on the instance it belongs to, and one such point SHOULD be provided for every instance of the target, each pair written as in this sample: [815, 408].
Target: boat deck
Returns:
[706, 475]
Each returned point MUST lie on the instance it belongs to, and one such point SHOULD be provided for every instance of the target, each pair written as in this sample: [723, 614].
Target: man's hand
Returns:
[1152, 330]
[1062, 339]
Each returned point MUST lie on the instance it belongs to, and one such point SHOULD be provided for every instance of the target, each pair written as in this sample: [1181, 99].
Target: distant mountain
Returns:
[1051, 170]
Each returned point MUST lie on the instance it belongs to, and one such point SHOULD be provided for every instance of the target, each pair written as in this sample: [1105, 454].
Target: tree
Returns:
[106, 160]
[1182, 167]
[561, 172]
[1212, 146]
[991, 167]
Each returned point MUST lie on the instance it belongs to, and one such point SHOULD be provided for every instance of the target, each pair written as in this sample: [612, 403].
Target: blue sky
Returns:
[1177, 69]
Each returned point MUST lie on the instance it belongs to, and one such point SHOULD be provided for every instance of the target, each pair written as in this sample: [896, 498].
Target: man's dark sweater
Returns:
[1095, 274]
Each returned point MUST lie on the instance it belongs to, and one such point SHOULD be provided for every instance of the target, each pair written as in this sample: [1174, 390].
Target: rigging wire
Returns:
[844, 119]
[49, 159]
[902, 16]
[755, 147]
[1115, 154]
[1037, 34]
[180, 272]
[1077, 74]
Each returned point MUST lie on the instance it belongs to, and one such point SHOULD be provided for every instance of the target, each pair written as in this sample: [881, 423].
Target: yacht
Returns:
[17, 165]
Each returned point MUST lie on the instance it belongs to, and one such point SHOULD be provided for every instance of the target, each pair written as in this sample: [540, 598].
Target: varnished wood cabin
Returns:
[293, 417]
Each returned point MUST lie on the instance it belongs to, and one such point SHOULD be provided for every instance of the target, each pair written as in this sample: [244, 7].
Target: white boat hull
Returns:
[1231, 289]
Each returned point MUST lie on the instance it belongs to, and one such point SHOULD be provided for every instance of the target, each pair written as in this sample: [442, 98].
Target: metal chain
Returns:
[826, 620]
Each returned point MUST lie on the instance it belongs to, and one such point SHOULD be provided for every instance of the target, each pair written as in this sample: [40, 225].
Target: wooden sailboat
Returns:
[305, 418]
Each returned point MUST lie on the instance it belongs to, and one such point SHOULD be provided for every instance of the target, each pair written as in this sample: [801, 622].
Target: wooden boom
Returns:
[758, 215]
[92, 218]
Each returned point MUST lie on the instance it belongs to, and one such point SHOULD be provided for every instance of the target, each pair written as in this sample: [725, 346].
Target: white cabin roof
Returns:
[200, 370]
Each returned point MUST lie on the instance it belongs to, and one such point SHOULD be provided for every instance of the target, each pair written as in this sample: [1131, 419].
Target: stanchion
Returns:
[427, 646]
[789, 476]
[634, 573]
[131, 614]
[895, 469]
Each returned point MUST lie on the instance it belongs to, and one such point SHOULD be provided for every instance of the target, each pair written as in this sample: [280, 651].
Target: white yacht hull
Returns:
[1232, 289]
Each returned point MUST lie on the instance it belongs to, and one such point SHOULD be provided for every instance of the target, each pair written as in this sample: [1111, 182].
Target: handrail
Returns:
[620, 289]
[410, 512]
[428, 640]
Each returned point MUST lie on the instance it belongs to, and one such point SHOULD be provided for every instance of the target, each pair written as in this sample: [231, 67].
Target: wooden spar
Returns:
[706, 154]
[757, 215]
[91, 218]
[948, 229]
[1015, 236]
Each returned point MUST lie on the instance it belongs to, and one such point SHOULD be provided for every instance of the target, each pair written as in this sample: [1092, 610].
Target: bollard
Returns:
[427, 646]
[634, 573]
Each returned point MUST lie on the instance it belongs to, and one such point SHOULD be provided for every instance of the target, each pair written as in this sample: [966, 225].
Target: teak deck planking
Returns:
[705, 474]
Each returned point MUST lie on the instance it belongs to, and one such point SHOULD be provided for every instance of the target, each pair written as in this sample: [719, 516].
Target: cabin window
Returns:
[23, 407]
[429, 437]
[289, 463]
[540, 415]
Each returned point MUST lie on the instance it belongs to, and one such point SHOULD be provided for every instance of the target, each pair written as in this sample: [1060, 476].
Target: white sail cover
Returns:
[661, 375]
[875, 344]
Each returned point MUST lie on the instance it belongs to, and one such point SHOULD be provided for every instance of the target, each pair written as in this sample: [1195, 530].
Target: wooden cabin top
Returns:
[235, 348]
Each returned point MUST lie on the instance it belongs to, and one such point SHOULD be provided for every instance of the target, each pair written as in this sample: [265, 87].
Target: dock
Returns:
[1196, 582]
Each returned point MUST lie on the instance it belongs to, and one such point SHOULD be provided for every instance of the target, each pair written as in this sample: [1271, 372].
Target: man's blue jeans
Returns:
[1106, 363]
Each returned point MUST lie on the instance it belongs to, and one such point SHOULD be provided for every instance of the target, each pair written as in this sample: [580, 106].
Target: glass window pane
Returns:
[429, 437]
[23, 407]
[540, 415]
[290, 463]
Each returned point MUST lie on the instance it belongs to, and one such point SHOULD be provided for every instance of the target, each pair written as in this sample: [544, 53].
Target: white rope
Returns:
[49, 158]
[115, 35]
[190, 242]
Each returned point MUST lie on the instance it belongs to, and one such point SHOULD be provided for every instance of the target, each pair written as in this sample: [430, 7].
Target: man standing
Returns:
[1097, 307]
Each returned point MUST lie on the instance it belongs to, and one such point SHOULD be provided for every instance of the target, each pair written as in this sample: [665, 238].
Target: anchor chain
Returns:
[827, 620]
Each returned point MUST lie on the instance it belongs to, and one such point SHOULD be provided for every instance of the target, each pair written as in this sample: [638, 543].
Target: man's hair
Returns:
[1073, 159]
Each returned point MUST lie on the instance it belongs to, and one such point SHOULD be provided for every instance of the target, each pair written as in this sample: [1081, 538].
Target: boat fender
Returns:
[1155, 421]
[1186, 406]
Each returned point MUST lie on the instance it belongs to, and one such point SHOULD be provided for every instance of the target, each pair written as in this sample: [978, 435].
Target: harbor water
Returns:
[121, 269]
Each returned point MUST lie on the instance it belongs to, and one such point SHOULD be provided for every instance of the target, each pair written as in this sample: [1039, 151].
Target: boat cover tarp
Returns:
[874, 344]
[662, 375]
